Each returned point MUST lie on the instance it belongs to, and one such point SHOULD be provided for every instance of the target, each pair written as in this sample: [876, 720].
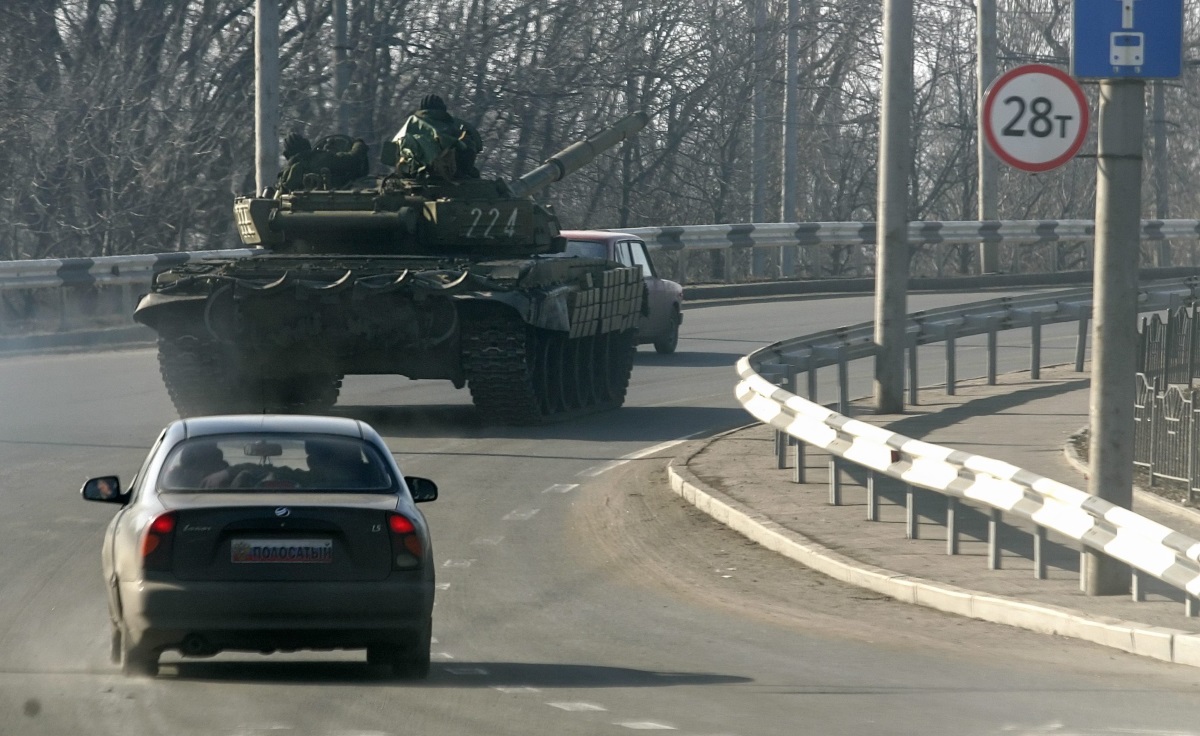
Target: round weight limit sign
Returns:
[1035, 117]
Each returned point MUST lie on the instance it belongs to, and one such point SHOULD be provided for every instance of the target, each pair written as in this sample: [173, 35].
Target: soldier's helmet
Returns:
[433, 102]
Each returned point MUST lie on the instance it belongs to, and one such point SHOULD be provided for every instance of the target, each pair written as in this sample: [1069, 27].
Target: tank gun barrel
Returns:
[579, 154]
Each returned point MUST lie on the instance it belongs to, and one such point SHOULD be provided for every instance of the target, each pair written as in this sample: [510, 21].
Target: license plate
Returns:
[305, 551]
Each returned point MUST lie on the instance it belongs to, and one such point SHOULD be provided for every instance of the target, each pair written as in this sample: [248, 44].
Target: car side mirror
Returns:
[105, 488]
[422, 489]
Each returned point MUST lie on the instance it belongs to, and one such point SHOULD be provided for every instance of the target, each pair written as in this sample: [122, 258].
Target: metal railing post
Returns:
[951, 331]
[835, 481]
[951, 525]
[1039, 553]
[912, 524]
[994, 539]
[913, 386]
[872, 496]
[1081, 343]
[992, 350]
[1035, 345]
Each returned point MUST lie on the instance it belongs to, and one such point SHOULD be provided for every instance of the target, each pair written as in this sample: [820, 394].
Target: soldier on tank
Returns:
[333, 163]
[433, 144]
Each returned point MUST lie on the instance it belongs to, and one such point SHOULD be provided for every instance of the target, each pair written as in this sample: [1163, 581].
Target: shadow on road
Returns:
[686, 359]
[456, 674]
[631, 423]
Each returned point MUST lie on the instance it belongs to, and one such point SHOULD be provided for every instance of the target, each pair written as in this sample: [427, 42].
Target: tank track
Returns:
[524, 375]
[200, 382]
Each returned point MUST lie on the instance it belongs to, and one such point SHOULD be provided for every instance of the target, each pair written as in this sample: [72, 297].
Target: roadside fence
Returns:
[772, 378]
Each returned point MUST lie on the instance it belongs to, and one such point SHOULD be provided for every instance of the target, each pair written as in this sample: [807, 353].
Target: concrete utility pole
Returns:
[266, 93]
[1162, 203]
[1114, 331]
[989, 167]
[791, 125]
[891, 234]
[758, 133]
[341, 66]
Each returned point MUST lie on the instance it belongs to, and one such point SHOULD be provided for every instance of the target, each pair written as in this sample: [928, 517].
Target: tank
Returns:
[460, 280]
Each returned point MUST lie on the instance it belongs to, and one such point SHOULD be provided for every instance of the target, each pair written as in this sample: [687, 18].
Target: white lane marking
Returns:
[645, 725]
[457, 563]
[521, 515]
[474, 671]
[561, 488]
[442, 655]
[443, 586]
[488, 540]
[433, 640]
[578, 707]
[596, 470]
[517, 690]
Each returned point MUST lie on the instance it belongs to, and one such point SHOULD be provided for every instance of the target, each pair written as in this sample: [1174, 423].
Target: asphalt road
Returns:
[577, 595]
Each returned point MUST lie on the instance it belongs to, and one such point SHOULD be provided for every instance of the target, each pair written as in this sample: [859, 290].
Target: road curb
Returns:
[1169, 645]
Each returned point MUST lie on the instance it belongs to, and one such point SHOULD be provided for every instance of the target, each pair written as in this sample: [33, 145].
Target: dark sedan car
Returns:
[664, 298]
[268, 533]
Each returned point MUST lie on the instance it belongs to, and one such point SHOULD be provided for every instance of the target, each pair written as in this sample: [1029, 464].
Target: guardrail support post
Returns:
[783, 440]
[872, 496]
[951, 331]
[1190, 609]
[835, 482]
[994, 539]
[811, 373]
[1039, 553]
[992, 349]
[1081, 343]
[913, 385]
[800, 460]
[912, 524]
[843, 381]
[1135, 586]
[1035, 345]
[951, 525]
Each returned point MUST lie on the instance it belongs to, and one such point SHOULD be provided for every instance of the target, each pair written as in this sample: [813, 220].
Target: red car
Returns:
[660, 323]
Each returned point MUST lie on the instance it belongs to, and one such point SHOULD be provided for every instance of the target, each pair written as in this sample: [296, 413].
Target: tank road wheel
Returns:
[499, 356]
[547, 372]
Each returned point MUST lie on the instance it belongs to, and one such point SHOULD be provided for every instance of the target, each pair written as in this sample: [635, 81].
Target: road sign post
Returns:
[1121, 43]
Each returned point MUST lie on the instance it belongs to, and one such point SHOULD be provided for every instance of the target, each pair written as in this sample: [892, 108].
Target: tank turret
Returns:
[396, 215]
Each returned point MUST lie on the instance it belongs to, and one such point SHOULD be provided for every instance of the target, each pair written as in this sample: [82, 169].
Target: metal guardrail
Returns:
[77, 280]
[767, 391]
[713, 237]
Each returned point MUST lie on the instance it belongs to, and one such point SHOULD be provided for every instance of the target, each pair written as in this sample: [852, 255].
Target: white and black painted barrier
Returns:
[1010, 232]
[79, 294]
[768, 390]
[75, 305]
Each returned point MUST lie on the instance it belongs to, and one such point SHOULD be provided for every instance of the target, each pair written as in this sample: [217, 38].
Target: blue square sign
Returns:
[1140, 39]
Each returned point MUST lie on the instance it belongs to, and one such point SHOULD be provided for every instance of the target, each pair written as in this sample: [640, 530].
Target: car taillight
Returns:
[407, 549]
[158, 541]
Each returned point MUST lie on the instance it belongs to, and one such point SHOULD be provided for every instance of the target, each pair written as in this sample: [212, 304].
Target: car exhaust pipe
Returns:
[196, 645]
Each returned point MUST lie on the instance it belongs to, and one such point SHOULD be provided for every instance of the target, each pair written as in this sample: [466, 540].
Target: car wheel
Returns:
[412, 665]
[412, 662]
[114, 651]
[668, 342]
[137, 661]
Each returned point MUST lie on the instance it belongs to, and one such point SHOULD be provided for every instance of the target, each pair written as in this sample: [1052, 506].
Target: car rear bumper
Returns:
[275, 615]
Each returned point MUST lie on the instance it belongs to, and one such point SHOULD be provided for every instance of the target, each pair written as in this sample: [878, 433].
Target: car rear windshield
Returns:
[586, 248]
[264, 462]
